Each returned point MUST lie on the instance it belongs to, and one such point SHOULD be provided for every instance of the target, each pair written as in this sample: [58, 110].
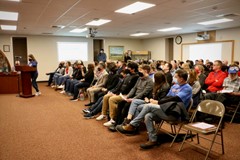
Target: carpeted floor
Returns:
[51, 127]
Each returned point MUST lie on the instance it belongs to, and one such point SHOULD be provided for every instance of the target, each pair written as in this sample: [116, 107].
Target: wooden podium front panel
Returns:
[9, 83]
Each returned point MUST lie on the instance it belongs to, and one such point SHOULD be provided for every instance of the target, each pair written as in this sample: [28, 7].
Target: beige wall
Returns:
[45, 49]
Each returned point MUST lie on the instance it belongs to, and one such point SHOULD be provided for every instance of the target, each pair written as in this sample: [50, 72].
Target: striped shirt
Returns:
[232, 84]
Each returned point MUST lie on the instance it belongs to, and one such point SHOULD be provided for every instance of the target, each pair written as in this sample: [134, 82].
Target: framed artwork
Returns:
[6, 48]
[116, 52]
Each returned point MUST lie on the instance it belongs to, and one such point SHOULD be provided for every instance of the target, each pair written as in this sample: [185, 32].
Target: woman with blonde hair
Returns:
[33, 63]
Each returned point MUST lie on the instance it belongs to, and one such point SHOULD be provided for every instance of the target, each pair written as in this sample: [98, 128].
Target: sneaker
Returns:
[60, 87]
[38, 93]
[88, 116]
[62, 92]
[101, 117]
[85, 111]
[74, 100]
[109, 123]
[149, 145]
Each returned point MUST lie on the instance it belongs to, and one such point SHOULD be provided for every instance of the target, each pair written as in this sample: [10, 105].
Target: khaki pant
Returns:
[110, 103]
[91, 91]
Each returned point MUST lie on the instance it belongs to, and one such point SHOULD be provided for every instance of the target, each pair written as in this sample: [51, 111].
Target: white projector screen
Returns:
[210, 51]
[72, 51]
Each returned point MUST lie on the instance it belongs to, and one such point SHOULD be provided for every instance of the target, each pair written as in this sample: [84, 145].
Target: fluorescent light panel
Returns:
[77, 30]
[216, 21]
[169, 29]
[98, 22]
[9, 27]
[139, 34]
[11, 16]
[15, 0]
[135, 7]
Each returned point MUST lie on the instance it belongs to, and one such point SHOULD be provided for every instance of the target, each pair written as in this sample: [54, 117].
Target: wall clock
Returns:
[178, 40]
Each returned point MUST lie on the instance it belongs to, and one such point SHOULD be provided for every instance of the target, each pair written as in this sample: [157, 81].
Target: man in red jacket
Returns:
[215, 78]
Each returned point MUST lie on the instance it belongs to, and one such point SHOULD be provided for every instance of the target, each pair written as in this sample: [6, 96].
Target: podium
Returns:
[26, 82]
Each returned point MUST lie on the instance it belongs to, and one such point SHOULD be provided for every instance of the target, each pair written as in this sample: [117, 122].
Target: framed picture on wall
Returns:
[6, 48]
[116, 52]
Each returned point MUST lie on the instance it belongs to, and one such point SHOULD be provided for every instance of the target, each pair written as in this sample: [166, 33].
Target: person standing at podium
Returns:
[33, 63]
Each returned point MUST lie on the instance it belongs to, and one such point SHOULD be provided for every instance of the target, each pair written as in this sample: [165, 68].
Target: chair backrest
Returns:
[211, 107]
[190, 105]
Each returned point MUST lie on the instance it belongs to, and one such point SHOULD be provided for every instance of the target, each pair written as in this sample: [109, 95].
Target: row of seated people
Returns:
[130, 94]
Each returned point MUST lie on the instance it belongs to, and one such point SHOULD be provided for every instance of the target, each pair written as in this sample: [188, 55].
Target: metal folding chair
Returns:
[174, 124]
[209, 107]
[234, 108]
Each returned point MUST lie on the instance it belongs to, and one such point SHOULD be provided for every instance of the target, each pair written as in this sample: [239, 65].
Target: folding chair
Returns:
[234, 108]
[209, 107]
[173, 125]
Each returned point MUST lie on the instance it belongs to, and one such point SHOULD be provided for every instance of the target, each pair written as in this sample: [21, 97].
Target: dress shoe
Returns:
[127, 129]
[89, 104]
[149, 145]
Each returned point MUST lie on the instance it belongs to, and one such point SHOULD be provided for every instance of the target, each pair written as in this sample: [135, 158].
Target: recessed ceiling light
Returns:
[9, 27]
[135, 7]
[15, 0]
[139, 34]
[98, 22]
[11, 16]
[77, 30]
[216, 21]
[169, 29]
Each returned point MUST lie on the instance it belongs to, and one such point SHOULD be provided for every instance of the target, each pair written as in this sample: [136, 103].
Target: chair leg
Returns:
[213, 140]
[184, 140]
[198, 139]
[176, 134]
[222, 142]
[235, 113]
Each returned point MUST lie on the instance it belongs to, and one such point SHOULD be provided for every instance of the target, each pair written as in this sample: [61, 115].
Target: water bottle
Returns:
[81, 96]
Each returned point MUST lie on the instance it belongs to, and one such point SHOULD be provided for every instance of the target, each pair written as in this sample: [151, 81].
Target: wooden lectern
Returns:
[26, 80]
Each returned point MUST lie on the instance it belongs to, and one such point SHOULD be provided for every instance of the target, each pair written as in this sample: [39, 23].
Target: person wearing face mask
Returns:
[100, 83]
[199, 69]
[60, 70]
[179, 95]
[33, 63]
[101, 57]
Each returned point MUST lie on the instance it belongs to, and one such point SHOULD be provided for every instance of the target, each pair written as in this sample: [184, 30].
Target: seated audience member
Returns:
[160, 90]
[97, 107]
[200, 62]
[215, 78]
[101, 82]
[179, 95]
[199, 69]
[152, 71]
[59, 70]
[60, 79]
[129, 81]
[208, 68]
[231, 88]
[112, 80]
[186, 67]
[174, 67]
[196, 87]
[141, 89]
[121, 65]
[77, 75]
[237, 64]
[85, 82]
[167, 70]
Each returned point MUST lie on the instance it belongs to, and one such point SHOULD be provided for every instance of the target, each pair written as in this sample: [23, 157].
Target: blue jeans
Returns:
[151, 113]
[136, 107]
[34, 81]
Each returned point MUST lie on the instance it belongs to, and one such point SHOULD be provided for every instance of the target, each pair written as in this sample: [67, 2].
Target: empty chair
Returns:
[209, 107]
